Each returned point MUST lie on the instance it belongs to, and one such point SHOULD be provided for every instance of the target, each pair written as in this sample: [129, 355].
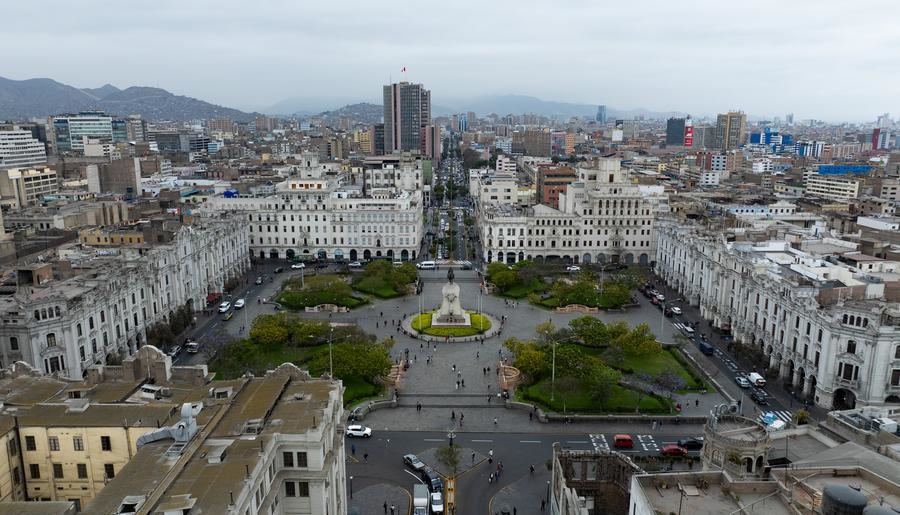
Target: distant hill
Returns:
[24, 99]
[523, 104]
[363, 112]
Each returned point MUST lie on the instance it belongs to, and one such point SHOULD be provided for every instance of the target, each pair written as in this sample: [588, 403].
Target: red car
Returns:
[673, 450]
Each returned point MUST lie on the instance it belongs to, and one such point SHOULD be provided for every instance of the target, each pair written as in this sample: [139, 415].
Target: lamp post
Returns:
[351, 488]
[553, 367]
[330, 354]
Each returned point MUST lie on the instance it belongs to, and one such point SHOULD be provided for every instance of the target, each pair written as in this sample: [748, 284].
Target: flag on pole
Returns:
[404, 69]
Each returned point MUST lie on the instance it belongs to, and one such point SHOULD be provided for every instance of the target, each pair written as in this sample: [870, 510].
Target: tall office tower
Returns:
[789, 119]
[407, 110]
[675, 132]
[19, 149]
[376, 135]
[471, 119]
[601, 114]
[731, 130]
[463, 123]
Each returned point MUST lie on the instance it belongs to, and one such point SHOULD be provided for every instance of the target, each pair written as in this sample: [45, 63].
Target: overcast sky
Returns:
[819, 59]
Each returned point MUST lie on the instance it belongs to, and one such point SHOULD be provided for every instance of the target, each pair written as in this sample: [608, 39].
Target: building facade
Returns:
[602, 218]
[731, 130]
[69, 131]
[65, 326]
[18, 148]
[25, 187]
[407, 110]
[320, 218]
[826, 329]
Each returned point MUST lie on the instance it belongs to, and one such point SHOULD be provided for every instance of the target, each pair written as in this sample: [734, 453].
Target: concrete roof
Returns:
[255, 401]
[26, 390]
[301, 407]
[38, 508]
[98, 415]
[139, 476]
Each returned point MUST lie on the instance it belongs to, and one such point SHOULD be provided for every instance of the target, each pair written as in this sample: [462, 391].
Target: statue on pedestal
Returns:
[450, 312]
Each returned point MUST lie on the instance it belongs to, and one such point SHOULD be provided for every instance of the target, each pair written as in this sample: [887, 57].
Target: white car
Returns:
[675, 310]
[357, 430]
[224, 307]
[298, 266]
[238, 304]
[355, 264]
[742, 382]
[660, 297]
[437, 502]
[573, 268]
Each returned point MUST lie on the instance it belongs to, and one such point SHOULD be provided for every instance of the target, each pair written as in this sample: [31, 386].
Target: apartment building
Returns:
[23, 187]
[552, 180]
[832, 187]
[321, 218]
[105, 299]
[602, 217]
[829, 325]
[18, 148]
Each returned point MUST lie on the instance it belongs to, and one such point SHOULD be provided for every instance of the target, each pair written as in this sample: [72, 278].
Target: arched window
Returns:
[51, 339]
[78, 330]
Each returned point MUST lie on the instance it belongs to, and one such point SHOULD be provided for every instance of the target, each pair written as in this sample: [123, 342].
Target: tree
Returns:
[530, 359]
[270, 331]
[504, 279]
[449, 456]
[545, 331]
[590, 330]
[669, 382]
[495, 267]
[602, 380]
[637, 342]
[365, 360]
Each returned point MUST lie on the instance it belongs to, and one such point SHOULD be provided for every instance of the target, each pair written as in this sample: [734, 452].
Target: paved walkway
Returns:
[525, 495]
[371, 500]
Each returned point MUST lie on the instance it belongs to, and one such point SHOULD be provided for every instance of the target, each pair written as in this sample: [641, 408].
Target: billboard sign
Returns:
[689, 135]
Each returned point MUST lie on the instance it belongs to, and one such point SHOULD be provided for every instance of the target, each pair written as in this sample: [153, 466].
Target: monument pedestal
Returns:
[451, 312]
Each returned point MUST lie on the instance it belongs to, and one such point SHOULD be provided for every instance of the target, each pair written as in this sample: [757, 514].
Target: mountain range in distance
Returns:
[39, 98]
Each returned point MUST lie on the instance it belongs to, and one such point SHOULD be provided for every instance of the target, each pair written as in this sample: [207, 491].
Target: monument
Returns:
[451, 312]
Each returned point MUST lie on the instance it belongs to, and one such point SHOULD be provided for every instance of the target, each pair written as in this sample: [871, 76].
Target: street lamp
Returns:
[351, 487]
[330, 354]
[553, 366]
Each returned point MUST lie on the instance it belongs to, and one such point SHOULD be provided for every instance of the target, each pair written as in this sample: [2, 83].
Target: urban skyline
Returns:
[713, 67]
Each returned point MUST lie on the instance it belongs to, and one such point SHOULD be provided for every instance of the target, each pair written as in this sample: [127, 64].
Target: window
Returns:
[54, 443]
[57, 471]
[851, 347]
[109, 471]
[77, 443]
[897, 352]
[35, 470]
[288, 459]
[51, 340]
[301, 459]
[13, 447]
[895, 377]
[105, 443]
[13, 343]
[82, 471]
[30, 444]
[303, 489]
[290, 489]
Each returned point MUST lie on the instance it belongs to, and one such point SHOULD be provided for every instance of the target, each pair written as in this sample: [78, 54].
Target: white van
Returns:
[756, 379]
[426, 265]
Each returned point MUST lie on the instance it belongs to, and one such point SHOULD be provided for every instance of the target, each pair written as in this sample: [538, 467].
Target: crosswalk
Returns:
[646, 443]
[599, 442]
[783, 415]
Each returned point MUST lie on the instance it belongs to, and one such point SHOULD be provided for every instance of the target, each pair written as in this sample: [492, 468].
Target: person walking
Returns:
[532, 470]
[491, 478]
[393, 509]
[385, 506]
[353, 449]
[542, 505]
[452, 415]
[473, 457]
[366, 457]
[462, 383]
[419, 407]
[495, 421]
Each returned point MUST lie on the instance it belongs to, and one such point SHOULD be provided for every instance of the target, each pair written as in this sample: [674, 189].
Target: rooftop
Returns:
[254, 402]
[96, 415]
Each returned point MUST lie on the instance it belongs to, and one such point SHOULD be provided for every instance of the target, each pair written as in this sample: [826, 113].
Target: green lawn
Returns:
[302, 299]
[480, 324]
[621, 400]
[663, 361]
[262, 360]
[520, 291]
[599, 301]
[376, 286]
[357, 389]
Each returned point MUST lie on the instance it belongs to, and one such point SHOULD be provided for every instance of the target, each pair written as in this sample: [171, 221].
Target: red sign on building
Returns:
[689, 136]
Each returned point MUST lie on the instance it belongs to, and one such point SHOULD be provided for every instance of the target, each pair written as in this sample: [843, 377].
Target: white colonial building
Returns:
[603, 217]
[112, 295]
[827, 317]
[327, 220]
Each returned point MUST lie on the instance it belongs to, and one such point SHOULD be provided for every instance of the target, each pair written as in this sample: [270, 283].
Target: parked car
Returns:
[673, 450]
[759, 398]
[238, 304]
[360, 431]
[228, 316]
[742, 381]
[224, 307]
[668, 312]
[355, 264]
[693, 444]
[298, 266]
[573, 268]
[661, 297]
[654, 301]
[175, 350]
[259, 280]
[279, 270]
[676, 310]
[413, 461]
[432, 479]
[437, 503]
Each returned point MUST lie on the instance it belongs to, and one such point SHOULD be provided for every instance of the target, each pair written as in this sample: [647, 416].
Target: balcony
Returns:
[847, 383]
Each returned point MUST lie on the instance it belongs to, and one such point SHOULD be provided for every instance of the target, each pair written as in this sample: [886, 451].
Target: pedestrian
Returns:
[353, 449]
[366, 457]
[495, 421]
[385, 506]
[458, 373]
[483, 371]
[530, 416]
[452, 415]
[491, 453]
[514, 510]
[477, 355]
[461, 417]
[542, 504]
[463, 383]
[415, 357]
[489, 398]
[501, 465]
[421, 345]
[376, 324]
[382, 314]
[393, 509]
[419, 406]
[457, 385]
[453, 367]
[697, 402]
[398, 328]
[532, 470]
[491, 478]
[473, 457]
